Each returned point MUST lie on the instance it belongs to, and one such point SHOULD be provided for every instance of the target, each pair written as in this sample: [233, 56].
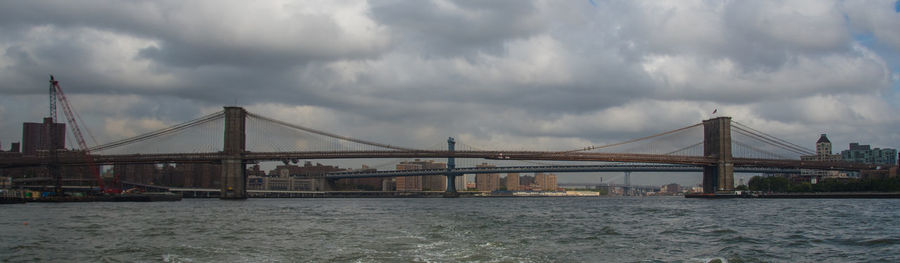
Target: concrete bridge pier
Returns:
[234, 169]
[719, 177]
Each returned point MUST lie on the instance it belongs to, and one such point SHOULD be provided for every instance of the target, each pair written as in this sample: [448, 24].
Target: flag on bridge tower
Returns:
[715, 110]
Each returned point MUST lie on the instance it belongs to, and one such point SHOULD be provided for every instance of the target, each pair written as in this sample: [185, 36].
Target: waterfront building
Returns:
[823, 153]
[512, 182]
[255, 171]
[670, 189]
[487, 182]
[408, 183]
[545, 181]
[283, 183]
[866, 154]
[420, 183]
[434, 182]
[307, 170]
[366, 184]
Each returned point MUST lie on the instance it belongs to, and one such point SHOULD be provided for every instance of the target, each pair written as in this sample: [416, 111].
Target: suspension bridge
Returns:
[234, 138]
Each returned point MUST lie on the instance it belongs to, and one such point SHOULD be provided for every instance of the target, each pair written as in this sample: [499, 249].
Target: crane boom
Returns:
[56, 91]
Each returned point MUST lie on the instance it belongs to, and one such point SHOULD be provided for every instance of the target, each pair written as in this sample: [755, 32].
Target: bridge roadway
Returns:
[548, 169]
[73, 159]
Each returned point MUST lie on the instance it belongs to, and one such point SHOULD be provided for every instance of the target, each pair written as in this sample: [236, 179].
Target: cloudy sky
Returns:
[543, 74]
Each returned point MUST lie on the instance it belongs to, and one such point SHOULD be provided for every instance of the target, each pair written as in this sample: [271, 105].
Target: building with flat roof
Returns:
[420, 183]
[37, 136]
[866, 154]
[512, 182]
[409, 183]
[545, 181]
[487, 182]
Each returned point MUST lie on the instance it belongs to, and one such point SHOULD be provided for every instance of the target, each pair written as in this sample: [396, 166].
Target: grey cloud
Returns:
[463, 28]
[493, 69]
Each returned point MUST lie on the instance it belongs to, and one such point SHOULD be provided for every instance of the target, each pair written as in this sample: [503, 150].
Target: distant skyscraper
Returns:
[37, 136]
[512, 182]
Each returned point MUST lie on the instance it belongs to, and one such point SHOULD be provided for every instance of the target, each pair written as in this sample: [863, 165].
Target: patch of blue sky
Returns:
[890, 56]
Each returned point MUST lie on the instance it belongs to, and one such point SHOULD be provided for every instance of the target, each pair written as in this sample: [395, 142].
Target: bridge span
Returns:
[717, 162]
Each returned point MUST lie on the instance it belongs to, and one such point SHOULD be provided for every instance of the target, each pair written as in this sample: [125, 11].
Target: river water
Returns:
[658, 229]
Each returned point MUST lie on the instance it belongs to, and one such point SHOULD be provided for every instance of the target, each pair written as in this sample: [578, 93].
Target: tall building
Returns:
[36, 136]
[512, 182]
[487, 182]
[823, 153]
[420, 183]
[865, 154]
[409, 183]
[545, 181]
[434, 182]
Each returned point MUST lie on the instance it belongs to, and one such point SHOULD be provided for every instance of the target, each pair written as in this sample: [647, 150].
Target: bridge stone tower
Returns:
[718, 177]
[234, 170]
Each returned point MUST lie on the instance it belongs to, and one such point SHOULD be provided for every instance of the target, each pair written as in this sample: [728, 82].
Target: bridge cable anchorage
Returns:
[161, 132]
[780, 141]
[794, 149]
[630, 141]
[332, 135]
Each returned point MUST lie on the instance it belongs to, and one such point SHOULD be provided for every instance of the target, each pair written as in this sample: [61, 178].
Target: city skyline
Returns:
[862, 153]
[450, 130]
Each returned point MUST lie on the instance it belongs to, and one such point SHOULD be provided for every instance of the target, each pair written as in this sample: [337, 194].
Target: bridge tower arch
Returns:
[234, 169]
[718, 177]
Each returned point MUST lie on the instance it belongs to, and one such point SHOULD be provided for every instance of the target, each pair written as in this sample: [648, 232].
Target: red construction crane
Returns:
[57, 92]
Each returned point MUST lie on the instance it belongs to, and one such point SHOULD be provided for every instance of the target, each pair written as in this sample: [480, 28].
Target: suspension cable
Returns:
[632, 140]
[327, 134]
[761, 150]
[160, 132]
[795, 149]
[751, 129]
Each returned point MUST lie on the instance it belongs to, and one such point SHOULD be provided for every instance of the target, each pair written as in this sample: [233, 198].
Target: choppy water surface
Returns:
[464, 229]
